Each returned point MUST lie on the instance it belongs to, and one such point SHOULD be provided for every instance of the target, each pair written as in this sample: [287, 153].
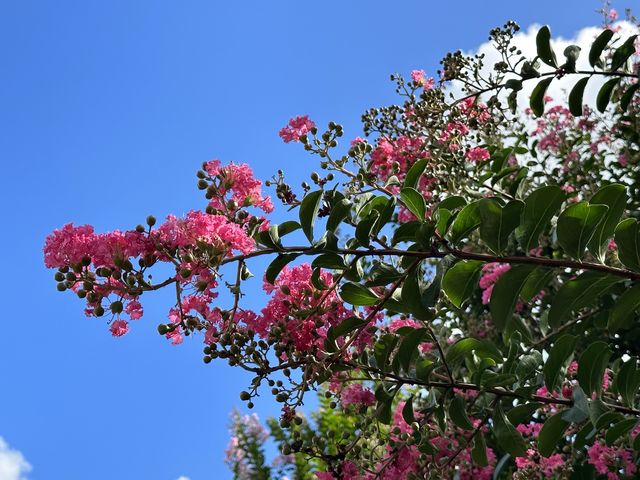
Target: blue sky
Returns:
[107, 109]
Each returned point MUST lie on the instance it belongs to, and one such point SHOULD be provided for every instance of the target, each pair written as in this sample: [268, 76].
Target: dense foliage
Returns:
[463, 292]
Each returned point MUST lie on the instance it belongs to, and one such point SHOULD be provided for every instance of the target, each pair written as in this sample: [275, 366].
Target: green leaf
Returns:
[407, 411]
[598, 46]
[523, 413]
[347, 326]
[536, 101]
[332, 261]
[424, 367]
[560, 356]
[536, 281]
[287, 227]
[627, 381]
[627, 237]
[581, 292]
[622, 54]
[620, 429]
[414, 201]
[623, 309]
[452, 203]
[458, 414]
[276, 266]
[309, 212]
[356, 294]
[466, 346]
[576, 226]
[528, 365]
[460, 281]
[551, 433]
[505, 294]
[479, 450]
[509, 439]
[408, 349]
[467, 220]
[615, 197]
[411, 295]
[364, 228]
[443, 217]
[385, 210]
[627, 96]
[539, 208]
[591, 367]
[383, 410]
[498, 222]
[339, 213]
[414, 173]
[543, 46]
[406, 232]
[576, 95]
[584, 436]
[579, 412]
[604, 95]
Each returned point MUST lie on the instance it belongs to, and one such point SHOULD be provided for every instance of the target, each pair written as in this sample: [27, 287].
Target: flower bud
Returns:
[244, 395]
[151, 220]
[116, 307]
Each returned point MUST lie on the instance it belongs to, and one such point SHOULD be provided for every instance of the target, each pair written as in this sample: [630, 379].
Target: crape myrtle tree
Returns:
[465, 295]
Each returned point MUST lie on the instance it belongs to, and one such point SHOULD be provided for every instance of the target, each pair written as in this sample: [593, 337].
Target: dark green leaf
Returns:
[523, 413]
[591, 367]
[539, 208]
[624, 308]
[622, 53]
[406, 232]
[460, 281]
[576, 95]
[628, 380]
[627, 237]
[627, 96]
[458, 414]
[619, 429]
[414, 201]
[309, 212]
[408, 349]
[498, 222]
[467, 220]
[332, 261]
[551, 433]
[598, 46]
[509, 439]
[560, 356]
[543, 46]
[356, 294]
[347, 326]
[536, 281]
[414, 173]
[364, 228]
[528, 365]
[287, 227]
[581, 292]
[452, 203]
[407, 411]
[505, 294]
[604, 95]
[615, 197]
[465, 346]
[576, 226]
[479, 450]
[276, 266]
[444, 217]
[339, 213]
[424, 367]
[536, 101]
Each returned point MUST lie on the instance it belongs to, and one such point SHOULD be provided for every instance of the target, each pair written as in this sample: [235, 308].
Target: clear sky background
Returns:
[107, 109]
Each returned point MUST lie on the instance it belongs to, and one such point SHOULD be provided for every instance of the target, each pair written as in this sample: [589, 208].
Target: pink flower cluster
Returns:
[238, 181]
[477, 154]
[419, 77]
[295, 302]
[296, 128]
[356, 394]
[611, 461]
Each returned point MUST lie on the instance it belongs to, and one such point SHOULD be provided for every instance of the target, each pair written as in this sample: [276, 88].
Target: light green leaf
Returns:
[356, 294]
[414, 201]
[467, 220]
[627, 237]
[466, 346]
[339, 213]
[615, 197]
[415, 172]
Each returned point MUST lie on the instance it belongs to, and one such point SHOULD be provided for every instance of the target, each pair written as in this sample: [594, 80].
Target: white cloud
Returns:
[181, 477]
[525, 40]
[13, 465]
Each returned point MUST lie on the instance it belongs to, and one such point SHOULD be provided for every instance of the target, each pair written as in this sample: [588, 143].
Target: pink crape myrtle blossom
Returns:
[610, 461]
[477, 154]
[119, 328]
[419, 77]
[356, 394]
[296, 128]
